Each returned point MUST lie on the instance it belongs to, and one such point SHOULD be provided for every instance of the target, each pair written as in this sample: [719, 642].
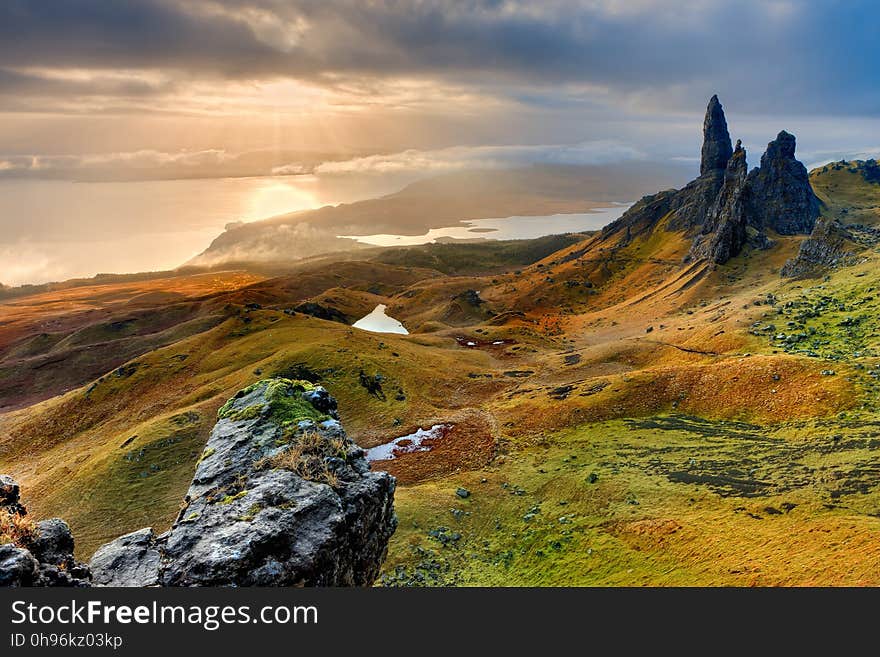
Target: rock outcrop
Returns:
[781, 196]
[829, 245]
[692, 204]
[281, 497]
[10, 496]
[727, 207]
[35, 554]
[724, 232]
[716, 149]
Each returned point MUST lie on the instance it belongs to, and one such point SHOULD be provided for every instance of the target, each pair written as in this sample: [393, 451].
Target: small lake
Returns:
[419, 441]
[378, 322]
[505, 228]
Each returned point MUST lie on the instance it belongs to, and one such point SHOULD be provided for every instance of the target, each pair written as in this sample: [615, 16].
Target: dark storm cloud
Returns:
[816, 57]
[128, 34]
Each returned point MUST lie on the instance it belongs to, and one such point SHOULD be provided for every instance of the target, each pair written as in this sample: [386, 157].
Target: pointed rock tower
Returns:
[726, 207]
[692, 204]
[716, 139]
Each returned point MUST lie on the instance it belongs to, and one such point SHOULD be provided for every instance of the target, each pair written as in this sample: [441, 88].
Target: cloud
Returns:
[819, 158]
[481, 157]
[292, 169]
[271, 242]
[384, 76]
[75, 166]
[149, 163]
[648, 55]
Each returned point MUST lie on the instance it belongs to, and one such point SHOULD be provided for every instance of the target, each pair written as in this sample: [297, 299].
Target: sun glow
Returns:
[276, 197]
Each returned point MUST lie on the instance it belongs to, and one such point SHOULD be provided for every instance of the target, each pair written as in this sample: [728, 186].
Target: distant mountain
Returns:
[436, 203]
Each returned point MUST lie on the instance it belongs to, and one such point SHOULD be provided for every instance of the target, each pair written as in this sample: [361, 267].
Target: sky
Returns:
[91, 89]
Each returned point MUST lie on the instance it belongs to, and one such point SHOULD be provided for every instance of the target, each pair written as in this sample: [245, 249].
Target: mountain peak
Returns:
[783, 147]
[716, 139]
[781, 195]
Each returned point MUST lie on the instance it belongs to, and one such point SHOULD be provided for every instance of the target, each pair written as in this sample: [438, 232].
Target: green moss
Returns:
[676, 500]
[229, 499]
[286, 405]
[207, 453]
[251, 513]
[284, 398]
[247, 413]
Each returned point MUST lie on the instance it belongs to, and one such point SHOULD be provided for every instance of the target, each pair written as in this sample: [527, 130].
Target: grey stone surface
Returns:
[716, 139]
[17, 566]
[781, 197]
[248, 521]
[44, 558]
[829, 245]
[10, 495]
[130, 560]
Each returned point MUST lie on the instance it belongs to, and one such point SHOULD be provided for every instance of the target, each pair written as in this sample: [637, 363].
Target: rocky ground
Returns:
[35, 553]
[281, 497]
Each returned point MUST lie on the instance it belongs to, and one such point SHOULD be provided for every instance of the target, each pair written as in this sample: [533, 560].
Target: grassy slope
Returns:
[778, 486]
[699, 424]
[845, 192]
[121, 456]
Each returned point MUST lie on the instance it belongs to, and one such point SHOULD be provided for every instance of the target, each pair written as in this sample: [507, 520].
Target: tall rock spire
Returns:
[716, 140]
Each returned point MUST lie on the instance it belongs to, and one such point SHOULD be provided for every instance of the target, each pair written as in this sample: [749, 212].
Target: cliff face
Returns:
[280, 497]
[781, 196]
[717, 209]
[724, 232]
[692, 204]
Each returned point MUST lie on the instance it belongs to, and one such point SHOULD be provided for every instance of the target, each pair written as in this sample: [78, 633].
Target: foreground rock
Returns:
[35, 554]
[281, 497]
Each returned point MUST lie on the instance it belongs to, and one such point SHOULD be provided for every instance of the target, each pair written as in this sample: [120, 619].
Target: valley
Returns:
[648, 404]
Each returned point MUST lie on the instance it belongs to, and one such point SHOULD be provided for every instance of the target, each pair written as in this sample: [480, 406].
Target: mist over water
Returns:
[55, 230]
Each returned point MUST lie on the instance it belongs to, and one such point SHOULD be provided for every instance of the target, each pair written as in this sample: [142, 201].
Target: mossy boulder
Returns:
[280, 497]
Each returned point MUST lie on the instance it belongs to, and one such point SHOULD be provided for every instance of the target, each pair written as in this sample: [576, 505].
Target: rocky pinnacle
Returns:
[716, 140]
[781, 196]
